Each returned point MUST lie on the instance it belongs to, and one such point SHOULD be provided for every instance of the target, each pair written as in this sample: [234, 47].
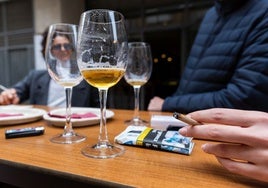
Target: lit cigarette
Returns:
[3, 87]
[185, 119]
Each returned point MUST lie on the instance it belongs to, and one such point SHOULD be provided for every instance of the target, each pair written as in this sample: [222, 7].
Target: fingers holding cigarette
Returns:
[186, 119]
[9, 96]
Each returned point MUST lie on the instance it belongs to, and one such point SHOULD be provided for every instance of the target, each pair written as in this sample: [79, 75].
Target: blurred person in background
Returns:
[228, 63]
[38, 87]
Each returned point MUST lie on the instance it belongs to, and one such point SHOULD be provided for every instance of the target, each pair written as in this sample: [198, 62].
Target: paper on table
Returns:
[3, 115]
[75, 115]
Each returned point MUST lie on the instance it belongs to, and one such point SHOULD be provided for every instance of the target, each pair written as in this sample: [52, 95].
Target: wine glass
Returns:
[138, 72]
[61, 63]
[102, 56]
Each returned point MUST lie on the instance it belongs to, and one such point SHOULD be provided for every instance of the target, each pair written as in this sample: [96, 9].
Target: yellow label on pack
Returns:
[142, 136]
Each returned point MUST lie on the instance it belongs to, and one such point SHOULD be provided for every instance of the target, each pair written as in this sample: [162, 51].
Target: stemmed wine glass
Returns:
[138, 72]
[102, 56]
[61, 63]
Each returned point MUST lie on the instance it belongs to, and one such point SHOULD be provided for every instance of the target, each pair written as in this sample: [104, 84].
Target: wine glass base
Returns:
[103, 150]
[68, 139]
[136, 122]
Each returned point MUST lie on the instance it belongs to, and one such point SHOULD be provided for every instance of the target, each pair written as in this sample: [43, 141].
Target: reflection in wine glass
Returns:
[102, 53]
[62, 66]
[138, 72]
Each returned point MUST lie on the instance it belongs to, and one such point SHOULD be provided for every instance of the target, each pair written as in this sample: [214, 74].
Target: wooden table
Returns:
[36, 162]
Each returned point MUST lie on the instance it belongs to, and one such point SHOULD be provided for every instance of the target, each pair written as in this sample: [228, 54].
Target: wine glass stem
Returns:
[136, 102]
[103, 137]
[68, 130]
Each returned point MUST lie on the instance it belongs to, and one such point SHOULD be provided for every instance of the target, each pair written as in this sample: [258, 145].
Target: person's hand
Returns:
[244, 136]
[156, 104]
[9, 96]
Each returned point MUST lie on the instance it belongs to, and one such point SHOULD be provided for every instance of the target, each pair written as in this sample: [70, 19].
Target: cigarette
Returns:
[185, 119]
[3, 87]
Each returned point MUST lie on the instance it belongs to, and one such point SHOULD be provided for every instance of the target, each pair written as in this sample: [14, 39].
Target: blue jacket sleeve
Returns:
[23, 87]
[248, 86]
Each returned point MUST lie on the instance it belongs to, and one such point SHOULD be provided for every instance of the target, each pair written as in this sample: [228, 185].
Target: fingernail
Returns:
[183, 131]
[204, 147]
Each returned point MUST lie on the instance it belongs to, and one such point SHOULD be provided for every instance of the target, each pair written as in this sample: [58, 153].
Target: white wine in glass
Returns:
[61, 63]
[138, 72]
[102, 53]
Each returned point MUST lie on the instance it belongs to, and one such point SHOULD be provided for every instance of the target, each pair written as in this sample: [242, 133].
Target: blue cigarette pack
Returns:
[155, 139]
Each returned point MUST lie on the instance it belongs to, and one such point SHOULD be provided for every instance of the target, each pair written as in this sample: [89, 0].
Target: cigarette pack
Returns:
[155, 139]
[164, 122]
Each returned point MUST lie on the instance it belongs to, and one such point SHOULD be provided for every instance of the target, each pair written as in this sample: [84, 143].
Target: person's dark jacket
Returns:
[228, 62]
[34, 87]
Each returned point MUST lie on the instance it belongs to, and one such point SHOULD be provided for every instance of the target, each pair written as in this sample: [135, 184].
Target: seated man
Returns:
[39, 88]
[228, 63]
[35, 87]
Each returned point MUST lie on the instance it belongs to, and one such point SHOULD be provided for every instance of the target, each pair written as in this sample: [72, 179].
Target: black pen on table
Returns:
[186, 119]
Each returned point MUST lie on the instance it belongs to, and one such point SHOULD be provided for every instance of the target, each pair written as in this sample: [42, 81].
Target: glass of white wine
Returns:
[61, 63]
[102, 56]
[138, 72]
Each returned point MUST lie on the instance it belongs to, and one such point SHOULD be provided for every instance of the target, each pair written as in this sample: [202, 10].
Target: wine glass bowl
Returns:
[102, 78]
[138, 72]
[102, 52]
[61, 63]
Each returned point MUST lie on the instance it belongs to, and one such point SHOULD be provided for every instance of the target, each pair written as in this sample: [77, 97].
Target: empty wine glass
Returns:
[102, 55]
[138, 72]
[61, 63]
